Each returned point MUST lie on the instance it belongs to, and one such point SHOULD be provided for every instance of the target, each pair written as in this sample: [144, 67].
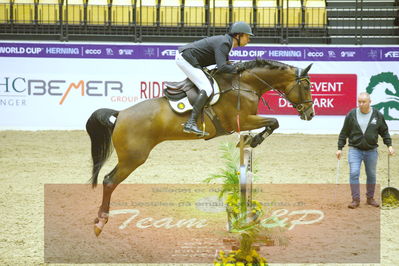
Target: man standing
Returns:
[362, 126]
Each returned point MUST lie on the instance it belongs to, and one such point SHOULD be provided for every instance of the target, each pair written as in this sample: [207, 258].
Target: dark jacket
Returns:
[368, 140]
[210, 51]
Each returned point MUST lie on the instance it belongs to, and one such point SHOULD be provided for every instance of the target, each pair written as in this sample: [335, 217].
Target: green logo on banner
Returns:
[384, 91]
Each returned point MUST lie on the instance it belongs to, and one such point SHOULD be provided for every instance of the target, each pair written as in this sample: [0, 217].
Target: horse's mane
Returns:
[271, 64]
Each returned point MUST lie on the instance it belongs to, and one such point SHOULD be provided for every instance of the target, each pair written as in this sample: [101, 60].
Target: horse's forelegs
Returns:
[111, 181]
[270, 125]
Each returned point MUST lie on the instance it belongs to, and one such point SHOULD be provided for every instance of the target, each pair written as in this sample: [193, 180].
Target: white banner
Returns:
[61, 93]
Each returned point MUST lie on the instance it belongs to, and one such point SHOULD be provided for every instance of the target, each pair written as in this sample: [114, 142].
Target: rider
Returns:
[192, 57]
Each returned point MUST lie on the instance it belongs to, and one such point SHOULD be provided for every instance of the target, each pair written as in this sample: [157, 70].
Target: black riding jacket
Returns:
[210, 51]
[368, 140]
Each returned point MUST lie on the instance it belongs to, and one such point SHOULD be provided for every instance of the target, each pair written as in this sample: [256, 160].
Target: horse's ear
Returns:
[306, 70]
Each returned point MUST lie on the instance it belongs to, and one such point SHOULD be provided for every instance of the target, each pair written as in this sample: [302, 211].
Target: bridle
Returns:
[299, 78]
[300, 107]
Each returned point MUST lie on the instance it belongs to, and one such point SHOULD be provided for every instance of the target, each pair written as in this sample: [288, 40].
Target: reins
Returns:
[234, 88]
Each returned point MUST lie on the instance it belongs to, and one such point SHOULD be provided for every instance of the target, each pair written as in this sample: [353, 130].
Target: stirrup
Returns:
[191, 127]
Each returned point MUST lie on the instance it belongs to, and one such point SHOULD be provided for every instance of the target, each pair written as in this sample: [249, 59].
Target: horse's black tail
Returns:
[100, 128]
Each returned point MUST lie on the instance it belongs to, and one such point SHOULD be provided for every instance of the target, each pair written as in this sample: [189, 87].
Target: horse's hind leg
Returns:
[126, 165]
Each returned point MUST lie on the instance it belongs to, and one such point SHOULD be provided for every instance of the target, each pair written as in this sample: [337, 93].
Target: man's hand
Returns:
[391, 150]
[338, 154]
[240, 67]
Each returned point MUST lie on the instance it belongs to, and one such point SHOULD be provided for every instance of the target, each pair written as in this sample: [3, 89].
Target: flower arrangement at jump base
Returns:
[232, 258]
[245, 225]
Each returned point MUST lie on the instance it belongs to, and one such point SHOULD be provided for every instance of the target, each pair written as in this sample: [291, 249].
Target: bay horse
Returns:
[139, 128]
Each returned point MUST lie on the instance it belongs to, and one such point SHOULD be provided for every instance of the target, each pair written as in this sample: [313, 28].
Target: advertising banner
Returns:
[333, 94]
[146, 51]
[58, 85]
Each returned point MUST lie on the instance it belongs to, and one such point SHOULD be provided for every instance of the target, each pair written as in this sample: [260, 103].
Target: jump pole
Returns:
[246, 175]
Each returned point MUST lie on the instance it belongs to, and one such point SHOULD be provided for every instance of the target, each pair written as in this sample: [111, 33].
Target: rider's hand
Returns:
[240, 67]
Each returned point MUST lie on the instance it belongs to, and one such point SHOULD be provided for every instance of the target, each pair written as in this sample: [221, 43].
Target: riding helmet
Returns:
[241, 27]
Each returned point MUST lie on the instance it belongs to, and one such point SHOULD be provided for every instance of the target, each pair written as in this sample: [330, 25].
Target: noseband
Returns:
[299, 106]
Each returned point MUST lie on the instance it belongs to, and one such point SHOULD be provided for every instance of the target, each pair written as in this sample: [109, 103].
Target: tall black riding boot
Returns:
[191, 125]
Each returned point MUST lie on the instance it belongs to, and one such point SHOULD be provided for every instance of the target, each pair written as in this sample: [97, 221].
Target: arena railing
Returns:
[272, 21]
[363, 21]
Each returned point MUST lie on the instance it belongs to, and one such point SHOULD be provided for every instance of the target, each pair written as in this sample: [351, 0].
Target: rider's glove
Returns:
[240, 67]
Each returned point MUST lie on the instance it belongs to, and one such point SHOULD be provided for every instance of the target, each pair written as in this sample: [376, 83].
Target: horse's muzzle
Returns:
[307, 113]
[307, 117]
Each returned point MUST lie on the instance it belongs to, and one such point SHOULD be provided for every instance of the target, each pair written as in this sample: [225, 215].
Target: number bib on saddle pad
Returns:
[182, 95]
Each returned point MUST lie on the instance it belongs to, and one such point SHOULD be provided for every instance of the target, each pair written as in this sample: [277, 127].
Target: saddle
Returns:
[177, 90]
[182, 94]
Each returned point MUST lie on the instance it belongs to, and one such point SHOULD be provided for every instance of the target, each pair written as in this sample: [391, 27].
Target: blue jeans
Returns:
[355, 158]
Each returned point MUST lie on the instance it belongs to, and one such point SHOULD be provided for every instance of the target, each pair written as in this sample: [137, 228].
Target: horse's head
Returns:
[290, 82]
[299, 95]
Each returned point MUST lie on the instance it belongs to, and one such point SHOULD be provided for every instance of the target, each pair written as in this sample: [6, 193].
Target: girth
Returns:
[220, 131]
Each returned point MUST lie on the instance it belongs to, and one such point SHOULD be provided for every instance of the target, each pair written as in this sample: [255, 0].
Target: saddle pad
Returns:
[183, 105]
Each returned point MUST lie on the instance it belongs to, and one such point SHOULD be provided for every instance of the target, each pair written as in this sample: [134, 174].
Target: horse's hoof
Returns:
[97, 230]
[99, 224]
[256, 141]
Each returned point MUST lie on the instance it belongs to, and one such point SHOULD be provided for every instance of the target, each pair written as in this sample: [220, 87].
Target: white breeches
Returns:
[196, 75]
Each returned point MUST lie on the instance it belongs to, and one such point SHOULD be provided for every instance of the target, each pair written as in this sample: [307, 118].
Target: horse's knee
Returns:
[274, 125]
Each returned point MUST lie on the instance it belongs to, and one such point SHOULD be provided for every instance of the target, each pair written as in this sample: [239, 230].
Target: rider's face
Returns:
[244, 39]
